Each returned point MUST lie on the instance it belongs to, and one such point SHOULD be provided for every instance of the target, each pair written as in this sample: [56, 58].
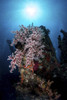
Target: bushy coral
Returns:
[31, 47]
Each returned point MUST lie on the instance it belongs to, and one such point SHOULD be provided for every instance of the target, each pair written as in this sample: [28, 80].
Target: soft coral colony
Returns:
[31, 49]
[30, 57]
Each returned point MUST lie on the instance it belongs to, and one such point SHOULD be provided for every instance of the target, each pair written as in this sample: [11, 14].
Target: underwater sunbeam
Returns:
[32, 11]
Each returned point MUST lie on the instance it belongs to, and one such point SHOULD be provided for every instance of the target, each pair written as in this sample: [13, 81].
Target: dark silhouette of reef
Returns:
[47, 40]
[63, 47]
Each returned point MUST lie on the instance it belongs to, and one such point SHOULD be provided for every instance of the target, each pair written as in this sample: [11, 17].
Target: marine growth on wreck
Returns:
[35, 58]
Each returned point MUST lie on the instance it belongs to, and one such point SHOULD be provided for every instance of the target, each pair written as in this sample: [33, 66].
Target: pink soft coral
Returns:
[32, 50]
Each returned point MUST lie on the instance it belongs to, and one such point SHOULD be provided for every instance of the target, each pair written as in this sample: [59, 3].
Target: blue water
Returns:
[54, 17]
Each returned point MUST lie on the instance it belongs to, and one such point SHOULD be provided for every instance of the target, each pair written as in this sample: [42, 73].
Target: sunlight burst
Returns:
[31, 11]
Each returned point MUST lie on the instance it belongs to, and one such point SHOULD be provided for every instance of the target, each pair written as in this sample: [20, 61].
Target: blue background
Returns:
[53, 16]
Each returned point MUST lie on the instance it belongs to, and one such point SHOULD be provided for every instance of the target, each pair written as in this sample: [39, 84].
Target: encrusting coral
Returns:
[32, 56]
